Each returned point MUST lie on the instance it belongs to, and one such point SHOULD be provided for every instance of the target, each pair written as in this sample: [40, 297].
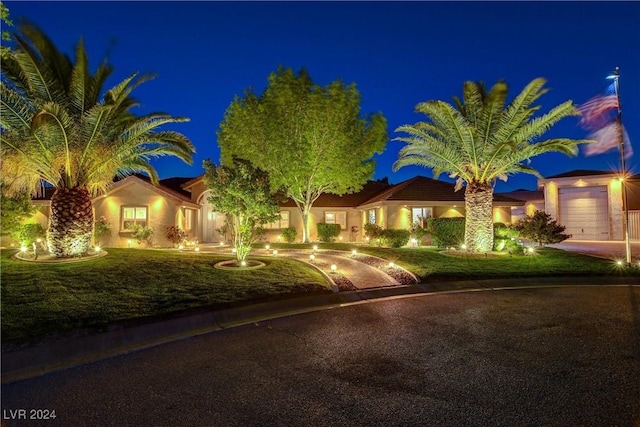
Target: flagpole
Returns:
[625, 207]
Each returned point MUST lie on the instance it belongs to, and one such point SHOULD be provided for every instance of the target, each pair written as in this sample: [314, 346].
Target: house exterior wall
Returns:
[162, 213]
[614, 198]
[519, 212]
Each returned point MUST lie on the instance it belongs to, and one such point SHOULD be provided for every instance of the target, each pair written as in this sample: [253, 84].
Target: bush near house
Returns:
[418, 232]
[175, 235]
[373, 232]
[26, 234]
[289, 234]
[446, 232]
[142, 234]
[100, 229]
[505, 238]
[396, 238]
[328, 232]
[541, 228]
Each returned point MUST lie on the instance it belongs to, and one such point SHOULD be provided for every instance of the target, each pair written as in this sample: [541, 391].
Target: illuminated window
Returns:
[283, 222]
[371, 216]
[420, 215]
[339, 217]
[132, 215]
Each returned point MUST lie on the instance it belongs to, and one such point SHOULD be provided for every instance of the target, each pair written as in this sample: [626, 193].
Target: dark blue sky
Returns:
[398, 54]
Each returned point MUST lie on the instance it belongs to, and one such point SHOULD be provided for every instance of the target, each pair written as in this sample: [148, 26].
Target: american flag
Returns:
[599, 116]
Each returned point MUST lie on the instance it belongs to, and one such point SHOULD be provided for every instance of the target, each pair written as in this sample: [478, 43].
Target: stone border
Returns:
[252, 264]
[101, 254]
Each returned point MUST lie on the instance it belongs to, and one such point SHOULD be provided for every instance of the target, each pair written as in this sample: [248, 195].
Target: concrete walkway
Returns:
[604, 249]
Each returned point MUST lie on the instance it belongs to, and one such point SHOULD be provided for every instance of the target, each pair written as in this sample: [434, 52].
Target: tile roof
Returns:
[580, 172]
[525, 195]
[425, 189]
[370, 189]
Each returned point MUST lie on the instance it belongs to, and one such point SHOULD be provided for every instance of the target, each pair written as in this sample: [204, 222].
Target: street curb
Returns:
[45, 358]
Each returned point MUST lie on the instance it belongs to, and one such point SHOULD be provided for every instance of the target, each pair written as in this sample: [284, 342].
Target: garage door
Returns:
[584, 212]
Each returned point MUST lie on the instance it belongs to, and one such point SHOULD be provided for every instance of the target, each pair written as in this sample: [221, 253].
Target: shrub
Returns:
[289, 234]
[26, 234]
[540, 228]
[373, 231]
[418, 231]
[175, 235]
[446, 232]
[142, 233]
[328, 232]
[505, 238]
[395, 238]
[100, 229]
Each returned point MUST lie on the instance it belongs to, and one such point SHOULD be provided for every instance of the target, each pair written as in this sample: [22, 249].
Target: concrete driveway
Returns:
[557, 356]
[608, 249]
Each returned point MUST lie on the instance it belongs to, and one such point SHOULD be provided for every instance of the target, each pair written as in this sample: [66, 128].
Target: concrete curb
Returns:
[42, 359]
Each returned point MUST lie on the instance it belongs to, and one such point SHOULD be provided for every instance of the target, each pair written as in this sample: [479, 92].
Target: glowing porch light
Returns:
[334, 267]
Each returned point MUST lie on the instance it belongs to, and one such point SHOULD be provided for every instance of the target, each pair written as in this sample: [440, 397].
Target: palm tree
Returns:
[58, 129]
[478, 140]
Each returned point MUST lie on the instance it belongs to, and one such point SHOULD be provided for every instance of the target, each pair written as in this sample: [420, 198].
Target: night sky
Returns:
[397, 53]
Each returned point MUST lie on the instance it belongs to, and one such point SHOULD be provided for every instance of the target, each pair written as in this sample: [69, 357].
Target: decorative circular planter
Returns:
[45, 258]
[252, 264]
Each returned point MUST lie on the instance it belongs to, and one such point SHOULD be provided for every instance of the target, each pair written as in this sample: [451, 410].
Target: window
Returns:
[371, 216]
[283, 222]
[132, 215]
[339, 217]
[419, 215]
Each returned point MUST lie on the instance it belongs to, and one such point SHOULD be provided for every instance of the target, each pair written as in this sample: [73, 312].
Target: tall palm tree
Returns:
[59, 128]
[478, 140]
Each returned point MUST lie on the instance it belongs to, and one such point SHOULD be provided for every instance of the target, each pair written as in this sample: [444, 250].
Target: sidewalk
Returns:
[46, 358]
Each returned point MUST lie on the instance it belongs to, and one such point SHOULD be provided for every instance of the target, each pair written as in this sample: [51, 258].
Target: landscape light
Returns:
[221, 243]
[128, 243]
[391, 265]
[619, 262]
[463, 247]
[267, 247]
[233, 250]
[275, 252]
[180, 247]
[334, 267]
[340, 238]
[197, 249]
[97, 248]
[39, 240]
[23, 248]
[530, 249]
[315, 247]
[243, 263]
[312, 257]
[354, 252]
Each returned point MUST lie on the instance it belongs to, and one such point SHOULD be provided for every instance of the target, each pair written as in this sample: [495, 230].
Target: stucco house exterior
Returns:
[390, 206]
[134, 200]
[590, 204]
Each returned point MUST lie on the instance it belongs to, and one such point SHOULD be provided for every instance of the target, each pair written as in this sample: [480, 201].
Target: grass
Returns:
[40, 300]
[431, 264]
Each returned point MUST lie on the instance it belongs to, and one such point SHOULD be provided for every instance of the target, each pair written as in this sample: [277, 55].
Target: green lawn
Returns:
[42, 299]
[432, 265]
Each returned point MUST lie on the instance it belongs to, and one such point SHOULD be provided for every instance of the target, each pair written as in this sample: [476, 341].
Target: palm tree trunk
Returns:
[478, 230]
[70, 223]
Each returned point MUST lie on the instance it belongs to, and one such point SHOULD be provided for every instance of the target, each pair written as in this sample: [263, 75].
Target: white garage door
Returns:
[584, 212]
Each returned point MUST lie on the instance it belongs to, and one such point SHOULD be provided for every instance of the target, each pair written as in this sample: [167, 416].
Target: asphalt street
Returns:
[553, 357]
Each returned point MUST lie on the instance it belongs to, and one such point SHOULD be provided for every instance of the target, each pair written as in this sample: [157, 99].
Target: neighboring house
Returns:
[390, 206]
[134, 200]
[589, 204]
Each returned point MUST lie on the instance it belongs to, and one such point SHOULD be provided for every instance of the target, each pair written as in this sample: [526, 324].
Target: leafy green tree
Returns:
[14, 210]
[311, 139]
[478, 140]
[541, 228]
[60, 127]
[242, 191]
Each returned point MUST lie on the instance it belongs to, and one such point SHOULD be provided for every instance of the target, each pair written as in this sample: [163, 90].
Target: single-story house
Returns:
[390, 206]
